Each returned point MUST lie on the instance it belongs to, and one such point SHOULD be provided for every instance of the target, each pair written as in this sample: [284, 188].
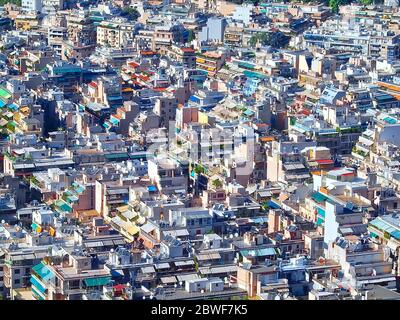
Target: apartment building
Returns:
[114, 34]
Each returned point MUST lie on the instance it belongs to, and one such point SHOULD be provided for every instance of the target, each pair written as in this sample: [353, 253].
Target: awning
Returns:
[176, 233]
[149, 269]
[273, 205]
[188, 277]
[259, 220]
[258, 252]
[37, 284]
[164, 265]
[184, 263]
[117, 273]
[43, 271]
[148, 227]
[215, 270]
[208, 256]
[94, 282]
[168, 280]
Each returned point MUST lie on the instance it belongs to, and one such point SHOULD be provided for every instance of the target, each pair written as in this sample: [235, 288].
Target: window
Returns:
[74, 284]
[17, 271]
[17, 281]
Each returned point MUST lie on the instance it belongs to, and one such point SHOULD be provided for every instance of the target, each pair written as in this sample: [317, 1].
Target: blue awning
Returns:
[395, 234]
[319, 197]
[37, 294]
[114, 98]
[114, 121]
[260, 220]
[258, 252]
[37, 284]
[13, 106]
[273, 205]
[43, 272]
[321, 212]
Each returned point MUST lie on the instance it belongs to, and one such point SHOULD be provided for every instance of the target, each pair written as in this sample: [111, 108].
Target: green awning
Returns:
[114, 156]
[320, 221]
[248, 112]
[72, 198]
[94, 282]
[321, 212]
[63, 206]
[5, 93]
[319, 197]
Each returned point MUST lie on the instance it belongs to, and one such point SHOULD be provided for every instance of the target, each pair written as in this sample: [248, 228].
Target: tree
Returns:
[17, 2]
[198, 169]
[191, 36]
[217, 183]
[334, 5]
[130, 13]
[367, 2]
[273, 39]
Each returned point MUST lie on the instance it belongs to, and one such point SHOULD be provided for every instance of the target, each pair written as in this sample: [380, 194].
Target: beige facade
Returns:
[114, 35]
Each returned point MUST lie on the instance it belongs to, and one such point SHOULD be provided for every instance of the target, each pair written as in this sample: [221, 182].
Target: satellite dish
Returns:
[2, 221]
[236, 234]
[277, 297]
[231, 236]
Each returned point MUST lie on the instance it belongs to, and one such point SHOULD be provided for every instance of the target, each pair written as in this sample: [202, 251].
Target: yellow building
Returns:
[26, 22]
